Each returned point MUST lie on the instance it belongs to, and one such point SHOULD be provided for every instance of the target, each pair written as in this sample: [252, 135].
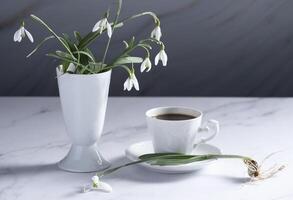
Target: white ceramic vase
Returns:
[84, 101]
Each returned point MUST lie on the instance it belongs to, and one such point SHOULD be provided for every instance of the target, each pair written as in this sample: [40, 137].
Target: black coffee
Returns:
[174, 117]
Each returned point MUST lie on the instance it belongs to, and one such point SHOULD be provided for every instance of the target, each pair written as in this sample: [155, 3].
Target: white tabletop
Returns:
[33, 139]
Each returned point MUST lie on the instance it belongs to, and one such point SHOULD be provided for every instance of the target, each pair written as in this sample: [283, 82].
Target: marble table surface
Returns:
[33, 139]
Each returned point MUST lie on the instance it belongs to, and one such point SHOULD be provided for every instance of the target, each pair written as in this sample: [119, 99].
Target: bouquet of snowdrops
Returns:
[77, 58]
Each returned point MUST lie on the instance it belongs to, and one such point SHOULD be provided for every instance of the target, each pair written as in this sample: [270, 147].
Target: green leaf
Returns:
[153, 155]
[129, 59]
[63, 58]
[85, 53]
[131, 42]
[64, 55]
[50, 30]
[77, 36]
[179, 160]
[88, 39]
[90, 52]
[174, 158]
[68, 41]
[170, 162]
[39, 45]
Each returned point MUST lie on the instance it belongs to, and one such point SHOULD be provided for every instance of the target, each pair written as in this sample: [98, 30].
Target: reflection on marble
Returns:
[215, 48]
[33, 139]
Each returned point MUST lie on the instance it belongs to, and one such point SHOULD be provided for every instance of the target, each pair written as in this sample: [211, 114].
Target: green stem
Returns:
[156, 19]
[115, 22]
[146, 49]
[152, 40]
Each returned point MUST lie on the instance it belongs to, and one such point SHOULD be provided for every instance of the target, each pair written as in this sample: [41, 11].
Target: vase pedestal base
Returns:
[83, 159]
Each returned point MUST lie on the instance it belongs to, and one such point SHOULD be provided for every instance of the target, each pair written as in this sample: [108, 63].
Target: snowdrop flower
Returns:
[21, 33]
[161, 56]
[130, 82]
[156, 33]
[101, 25]
[98, 185]
[146, 65]
[71, 68]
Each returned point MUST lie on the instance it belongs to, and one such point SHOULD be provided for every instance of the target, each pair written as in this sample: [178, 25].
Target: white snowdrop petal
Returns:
[17, 36]
[164, 62]
[125, 85]
[157, 58]
[135, 83]
[96, 26]
[164, 58]
[22, 30]
[104, 22]
[109, 30]
[143, 66]
[105, 187]
[29, 35]
[128, 84]
[158, 33]
[153, 34]
[148, 63]
[148, 69]
[157, 37]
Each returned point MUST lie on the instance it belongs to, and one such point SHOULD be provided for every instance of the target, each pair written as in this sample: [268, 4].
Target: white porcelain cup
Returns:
[180, 136]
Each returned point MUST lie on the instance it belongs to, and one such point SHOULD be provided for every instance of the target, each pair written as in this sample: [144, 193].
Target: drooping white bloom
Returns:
[161, 56]
[21, 33]
[146, 65]
[98, 185]
[101, 25]
[130, 82]
[156, 33]
[71, 68]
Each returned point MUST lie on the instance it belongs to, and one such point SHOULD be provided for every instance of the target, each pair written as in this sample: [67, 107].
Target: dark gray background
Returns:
[215, 47]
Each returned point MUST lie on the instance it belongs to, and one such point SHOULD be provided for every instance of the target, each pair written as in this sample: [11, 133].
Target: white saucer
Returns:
[138, 149]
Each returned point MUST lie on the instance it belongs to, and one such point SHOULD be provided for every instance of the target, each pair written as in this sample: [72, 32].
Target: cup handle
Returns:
[212, 126]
